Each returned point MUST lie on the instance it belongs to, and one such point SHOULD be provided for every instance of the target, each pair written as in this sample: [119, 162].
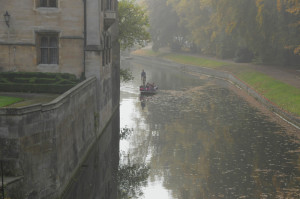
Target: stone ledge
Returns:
[94, 48]
[16, 43]
[51, 105]
[10, 180]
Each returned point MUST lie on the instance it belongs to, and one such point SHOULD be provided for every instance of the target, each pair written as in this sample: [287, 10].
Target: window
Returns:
[106, 54]
[47, 3]
[48, 49]
[108, 5]
[102, 6]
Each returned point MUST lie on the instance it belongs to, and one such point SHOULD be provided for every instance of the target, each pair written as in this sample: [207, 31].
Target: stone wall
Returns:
[18, 42]
[46, 143]
[96, 177]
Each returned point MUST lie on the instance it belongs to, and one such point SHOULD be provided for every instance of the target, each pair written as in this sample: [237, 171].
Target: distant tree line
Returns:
[265, 31]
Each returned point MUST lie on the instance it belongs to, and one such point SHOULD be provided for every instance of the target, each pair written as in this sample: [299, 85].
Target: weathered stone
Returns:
[46, 143]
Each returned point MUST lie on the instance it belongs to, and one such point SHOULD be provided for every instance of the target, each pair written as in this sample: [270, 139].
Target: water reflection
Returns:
[97, 176]
[143, 101]
[201, 140]
[214, 145]
[132, 176]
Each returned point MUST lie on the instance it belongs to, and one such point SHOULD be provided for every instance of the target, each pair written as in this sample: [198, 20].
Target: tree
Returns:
[133, 24]
[292, 7]
[165, 28]
[125, 75]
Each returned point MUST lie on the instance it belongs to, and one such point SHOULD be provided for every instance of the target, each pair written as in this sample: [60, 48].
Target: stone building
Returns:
[43, 145]
[70, 36]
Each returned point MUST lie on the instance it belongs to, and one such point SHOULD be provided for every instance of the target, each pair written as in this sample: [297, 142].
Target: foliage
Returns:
[36, 82]
[125, 133]
[126, 75]
[133, 24]
[293, 7]
[131, 176]
[164, 27]
[5, 101]
[268, 30]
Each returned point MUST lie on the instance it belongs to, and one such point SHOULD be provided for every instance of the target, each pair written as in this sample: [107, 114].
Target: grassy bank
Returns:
[5, 101]
[192, 60]
[285, 96]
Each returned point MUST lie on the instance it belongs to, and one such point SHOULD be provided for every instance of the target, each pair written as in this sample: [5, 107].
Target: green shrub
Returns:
[37, 82]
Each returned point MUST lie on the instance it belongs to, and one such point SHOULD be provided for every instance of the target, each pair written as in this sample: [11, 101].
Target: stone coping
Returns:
[10, 180]
[57, 102]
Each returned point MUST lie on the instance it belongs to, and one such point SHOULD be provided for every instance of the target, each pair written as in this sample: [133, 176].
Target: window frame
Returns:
[106, 53]
[49, 49]
[48, 3]
[108, 5]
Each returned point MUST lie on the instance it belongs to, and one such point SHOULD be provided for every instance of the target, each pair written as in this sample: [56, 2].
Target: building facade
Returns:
[44, 145]
[56, 35]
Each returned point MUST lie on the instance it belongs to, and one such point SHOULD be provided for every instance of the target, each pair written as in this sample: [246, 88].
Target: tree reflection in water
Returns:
[125, 133]
[132, 177]
[214, 144]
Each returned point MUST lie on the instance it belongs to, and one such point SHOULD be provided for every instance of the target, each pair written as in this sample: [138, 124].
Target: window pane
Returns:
[109, 41]
[52, 3]
[53, 56]
[49, 49]
[43, 3]
[109, 55]
[107, 60]
[108, 4]
[44, 56]
[106, 42]
[44, 42]
[53, 42]
[103, 58]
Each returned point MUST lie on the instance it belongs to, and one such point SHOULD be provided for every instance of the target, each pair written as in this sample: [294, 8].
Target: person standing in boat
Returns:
[143, 77]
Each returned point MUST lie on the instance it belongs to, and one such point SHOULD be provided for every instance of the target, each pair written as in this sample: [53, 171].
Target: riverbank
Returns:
[277, 88]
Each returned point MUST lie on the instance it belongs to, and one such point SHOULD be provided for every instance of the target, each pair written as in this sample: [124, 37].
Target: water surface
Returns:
[197, 138]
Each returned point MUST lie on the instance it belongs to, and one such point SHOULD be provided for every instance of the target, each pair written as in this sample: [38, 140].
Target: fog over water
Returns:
[197, 138]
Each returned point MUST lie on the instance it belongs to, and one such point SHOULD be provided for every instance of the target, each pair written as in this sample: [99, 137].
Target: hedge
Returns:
[37, 82]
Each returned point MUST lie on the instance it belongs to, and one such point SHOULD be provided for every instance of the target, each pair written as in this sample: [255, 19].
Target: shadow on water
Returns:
[97, 176]
[106, 173]
[202, 140]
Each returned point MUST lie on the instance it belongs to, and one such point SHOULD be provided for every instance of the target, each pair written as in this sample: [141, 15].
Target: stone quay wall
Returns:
[46, 143]
[251, 91]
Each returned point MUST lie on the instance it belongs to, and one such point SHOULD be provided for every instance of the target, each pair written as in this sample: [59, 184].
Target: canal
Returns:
[200, 137]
